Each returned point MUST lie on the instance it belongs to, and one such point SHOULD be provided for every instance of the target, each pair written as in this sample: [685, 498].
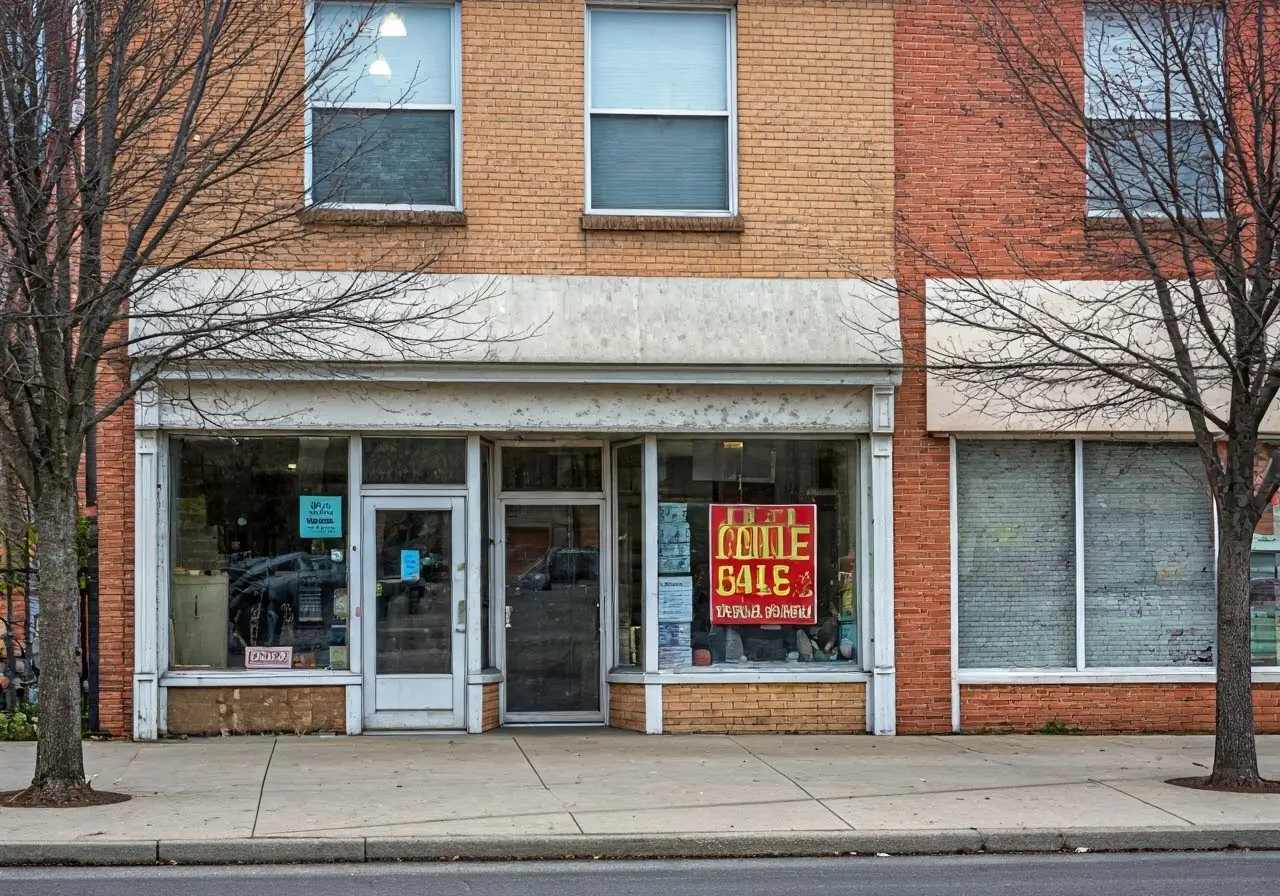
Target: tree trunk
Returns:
[59, 773]
[1235, 754]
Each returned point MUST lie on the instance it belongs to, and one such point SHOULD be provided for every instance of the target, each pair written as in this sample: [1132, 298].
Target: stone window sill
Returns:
[383, 217]
[666, 223]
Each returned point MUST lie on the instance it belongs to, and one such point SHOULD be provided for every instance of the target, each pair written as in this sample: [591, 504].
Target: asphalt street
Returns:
[1143, 874]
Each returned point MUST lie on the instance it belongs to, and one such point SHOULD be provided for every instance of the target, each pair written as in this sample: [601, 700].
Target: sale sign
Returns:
[763, 564]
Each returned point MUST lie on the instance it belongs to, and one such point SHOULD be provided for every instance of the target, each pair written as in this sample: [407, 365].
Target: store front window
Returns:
[259, 563]
[629, 468]
[756, 546]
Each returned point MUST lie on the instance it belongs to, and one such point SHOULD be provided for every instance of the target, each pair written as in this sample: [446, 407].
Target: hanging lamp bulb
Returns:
[379, 67]
[392, 25]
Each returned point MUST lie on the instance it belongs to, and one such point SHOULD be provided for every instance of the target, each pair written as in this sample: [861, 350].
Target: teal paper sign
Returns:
[410, 566]
[320, 516]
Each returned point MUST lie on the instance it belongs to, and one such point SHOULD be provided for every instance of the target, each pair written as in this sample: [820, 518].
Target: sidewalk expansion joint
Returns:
[1144, 802]
[533, 768]
[262, 788]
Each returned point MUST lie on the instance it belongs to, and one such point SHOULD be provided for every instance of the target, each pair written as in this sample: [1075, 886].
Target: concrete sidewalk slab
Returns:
[533, 793]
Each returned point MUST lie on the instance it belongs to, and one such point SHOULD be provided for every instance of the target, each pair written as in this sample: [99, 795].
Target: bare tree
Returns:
[1161, 119]
[141, 140]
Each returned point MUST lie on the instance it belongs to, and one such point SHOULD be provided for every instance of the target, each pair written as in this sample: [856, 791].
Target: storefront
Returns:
[419, 555]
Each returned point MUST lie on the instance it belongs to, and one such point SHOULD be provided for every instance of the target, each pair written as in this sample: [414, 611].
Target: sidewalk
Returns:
[601, 792]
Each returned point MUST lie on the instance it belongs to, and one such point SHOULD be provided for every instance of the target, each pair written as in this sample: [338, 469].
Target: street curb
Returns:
[262, 851]
[802, 844]
[80, 852]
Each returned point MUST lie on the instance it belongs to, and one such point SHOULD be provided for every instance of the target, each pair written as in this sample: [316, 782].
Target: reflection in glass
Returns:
[693, 475]
[548, 469]
[553, 608]
[630, 509]
[399, 461]
[249, 567]
[413, 592]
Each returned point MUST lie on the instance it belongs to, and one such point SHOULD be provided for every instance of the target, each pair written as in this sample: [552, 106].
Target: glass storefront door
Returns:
[415, 612]
[552, 572]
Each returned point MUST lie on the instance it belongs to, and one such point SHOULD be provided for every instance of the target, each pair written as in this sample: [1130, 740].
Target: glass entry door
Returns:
[415, 612]
[552, 572]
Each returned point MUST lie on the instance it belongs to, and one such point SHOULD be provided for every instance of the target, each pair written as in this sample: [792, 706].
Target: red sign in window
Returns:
[764, 567]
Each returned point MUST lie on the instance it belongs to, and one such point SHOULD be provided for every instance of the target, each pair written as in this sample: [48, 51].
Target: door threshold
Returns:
[412, 732]
[545, 725]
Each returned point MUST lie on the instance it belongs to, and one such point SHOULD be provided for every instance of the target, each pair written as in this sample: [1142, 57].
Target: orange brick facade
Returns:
[764, 708]
[490, 713]
[836, 101]
[626, 706]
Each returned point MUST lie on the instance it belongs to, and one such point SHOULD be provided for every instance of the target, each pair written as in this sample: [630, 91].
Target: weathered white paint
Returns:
[531, 408]
[883, 668]
[146, 592]
[565, 320]
[653, 709]
[1108, 308]
[476, 625]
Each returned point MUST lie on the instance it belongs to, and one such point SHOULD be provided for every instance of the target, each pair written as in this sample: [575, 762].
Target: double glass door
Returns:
[553, 609]
[415, 612]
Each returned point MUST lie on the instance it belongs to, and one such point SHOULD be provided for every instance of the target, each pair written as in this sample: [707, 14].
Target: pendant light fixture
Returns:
[392, 25]
[379, 67]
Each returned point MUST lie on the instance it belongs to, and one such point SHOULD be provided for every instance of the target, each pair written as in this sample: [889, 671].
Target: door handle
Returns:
[460, 621]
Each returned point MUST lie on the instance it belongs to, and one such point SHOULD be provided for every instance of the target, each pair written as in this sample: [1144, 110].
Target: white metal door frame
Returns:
[573, 499]
[455, 718]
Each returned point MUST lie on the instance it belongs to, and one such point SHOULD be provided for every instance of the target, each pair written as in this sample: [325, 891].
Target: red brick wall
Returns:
[764, 708]
[1106, 708]
[925, 65]
[115, 560]
[626, 706]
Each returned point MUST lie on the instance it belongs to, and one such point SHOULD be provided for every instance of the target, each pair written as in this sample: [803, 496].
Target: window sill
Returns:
[666, 223]
[382, 217]
[242, 678]
[486, 676]
[1114, 225]
[1117, 675]
[763, 674]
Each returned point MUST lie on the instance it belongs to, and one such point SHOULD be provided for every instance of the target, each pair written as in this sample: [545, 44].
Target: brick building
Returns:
[1059, 572]
[686, 211]
[688, 208]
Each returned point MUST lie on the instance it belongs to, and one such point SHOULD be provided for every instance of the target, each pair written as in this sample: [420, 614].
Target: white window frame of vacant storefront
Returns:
[158, 414]
[1082, 673]
[154, 476]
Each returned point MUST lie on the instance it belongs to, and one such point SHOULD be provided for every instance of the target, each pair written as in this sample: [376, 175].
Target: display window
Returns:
[259, 575]
[756, 554]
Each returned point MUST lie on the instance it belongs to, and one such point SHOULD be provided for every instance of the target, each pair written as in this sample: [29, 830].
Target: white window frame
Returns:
[730, 113]
[454, 106]
[1090, 119]
[1082, 672]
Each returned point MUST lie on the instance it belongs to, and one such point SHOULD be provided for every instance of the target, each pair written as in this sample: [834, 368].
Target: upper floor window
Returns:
[1152, 84]
[384, 106]
[660, 130]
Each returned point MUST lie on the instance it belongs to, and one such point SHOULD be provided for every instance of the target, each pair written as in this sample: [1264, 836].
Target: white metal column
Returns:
[147, 500]
[883, 671]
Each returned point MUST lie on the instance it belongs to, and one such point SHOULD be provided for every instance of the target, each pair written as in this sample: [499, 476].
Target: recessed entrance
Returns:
[553, 610]
[552, 516]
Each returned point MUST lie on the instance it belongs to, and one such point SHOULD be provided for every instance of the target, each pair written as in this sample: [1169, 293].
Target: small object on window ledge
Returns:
[702, 657]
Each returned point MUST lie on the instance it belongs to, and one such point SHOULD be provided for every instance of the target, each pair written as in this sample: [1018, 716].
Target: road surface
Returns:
[1142, 874]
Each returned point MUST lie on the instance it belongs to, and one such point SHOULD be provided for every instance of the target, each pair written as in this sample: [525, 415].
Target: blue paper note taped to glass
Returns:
[320, 516]
[410, 566]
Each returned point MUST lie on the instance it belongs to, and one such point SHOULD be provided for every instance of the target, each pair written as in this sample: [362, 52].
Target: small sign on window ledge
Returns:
[268, 657]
